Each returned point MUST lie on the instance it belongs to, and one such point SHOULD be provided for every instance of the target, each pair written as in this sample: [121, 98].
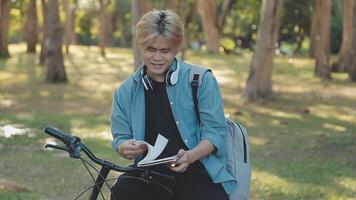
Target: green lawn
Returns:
[303, 140]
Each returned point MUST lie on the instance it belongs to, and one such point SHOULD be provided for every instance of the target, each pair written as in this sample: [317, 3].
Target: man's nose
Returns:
[157, 55]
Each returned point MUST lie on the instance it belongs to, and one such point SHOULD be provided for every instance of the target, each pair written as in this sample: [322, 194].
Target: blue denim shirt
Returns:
[128, 118]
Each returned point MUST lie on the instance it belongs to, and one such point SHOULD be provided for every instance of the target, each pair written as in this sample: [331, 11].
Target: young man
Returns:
[157, 98]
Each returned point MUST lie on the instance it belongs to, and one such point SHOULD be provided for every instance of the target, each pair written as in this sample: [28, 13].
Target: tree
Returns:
[4, 27]
[352, 68]
[105, 19]
[207, 11]
[226, 6]
[259, 82]
[54, 56]
[312, 37]
[31, 34]
[44, 28]
[344, 59]
[186, 11]
[213, 21]
[69, 8]
[138, 8]
[322, 38]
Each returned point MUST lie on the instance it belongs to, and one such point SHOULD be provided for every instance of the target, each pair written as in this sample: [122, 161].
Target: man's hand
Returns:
[130, 149]
[185, 158]
[183, 162]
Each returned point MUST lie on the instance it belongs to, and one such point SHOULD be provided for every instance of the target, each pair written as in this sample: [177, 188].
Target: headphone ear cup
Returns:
[147, 83]
[168, 77]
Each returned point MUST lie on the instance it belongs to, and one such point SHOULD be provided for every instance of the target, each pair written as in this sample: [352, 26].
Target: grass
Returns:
[302, 141]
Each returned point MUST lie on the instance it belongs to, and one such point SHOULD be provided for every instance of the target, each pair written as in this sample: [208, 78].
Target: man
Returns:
[157, 98]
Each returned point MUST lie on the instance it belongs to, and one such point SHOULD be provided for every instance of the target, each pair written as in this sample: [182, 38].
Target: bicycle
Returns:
[74, 147]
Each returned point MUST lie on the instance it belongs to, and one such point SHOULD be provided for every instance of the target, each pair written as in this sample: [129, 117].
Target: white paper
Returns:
[154, 151]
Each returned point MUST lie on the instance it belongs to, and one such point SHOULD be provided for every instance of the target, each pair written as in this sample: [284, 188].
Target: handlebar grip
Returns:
[66, 139]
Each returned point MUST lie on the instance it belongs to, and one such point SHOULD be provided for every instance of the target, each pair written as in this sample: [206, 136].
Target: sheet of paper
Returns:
[154, 151]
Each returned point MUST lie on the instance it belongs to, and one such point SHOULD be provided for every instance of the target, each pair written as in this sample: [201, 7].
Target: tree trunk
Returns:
[186, 11]
[69, 35]
[207, 11]
[31, 33]
[259, 82]
[54, 56]
[312, 38]
[344, 59]
[322, 37]
[138, 8]
[174, 5]
[4, 27]
[226, 7]
[44, 32]
[103, 25]
[352, 68]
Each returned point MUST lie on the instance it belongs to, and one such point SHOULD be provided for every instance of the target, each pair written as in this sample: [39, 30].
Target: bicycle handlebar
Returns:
[74, 147]
[66, 139]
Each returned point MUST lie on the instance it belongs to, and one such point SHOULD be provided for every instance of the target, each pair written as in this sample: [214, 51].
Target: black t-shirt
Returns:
[160, 119]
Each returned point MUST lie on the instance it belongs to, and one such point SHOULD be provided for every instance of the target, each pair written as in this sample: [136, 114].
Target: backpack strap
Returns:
[195, 79]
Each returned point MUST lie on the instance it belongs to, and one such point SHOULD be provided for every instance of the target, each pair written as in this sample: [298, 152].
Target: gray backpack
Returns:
[237, 148]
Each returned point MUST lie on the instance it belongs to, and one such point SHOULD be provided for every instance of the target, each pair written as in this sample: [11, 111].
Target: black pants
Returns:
[185, 187]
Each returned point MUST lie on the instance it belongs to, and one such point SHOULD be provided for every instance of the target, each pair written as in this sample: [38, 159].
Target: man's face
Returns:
[157, 57]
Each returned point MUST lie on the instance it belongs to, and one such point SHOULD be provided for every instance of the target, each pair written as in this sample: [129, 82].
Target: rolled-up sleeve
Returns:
[211, 110]
[120, 125]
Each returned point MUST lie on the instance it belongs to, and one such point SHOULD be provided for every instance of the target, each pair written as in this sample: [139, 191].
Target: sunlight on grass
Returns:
[225, 77]
[340, 76]
[8, 78]
[276, 113]
[328, 111]
[347, 183]
[275, 187]
[257, 141]
[10, 130]
[25, 116]
[334, 127]
[44, 93]
[268, 183]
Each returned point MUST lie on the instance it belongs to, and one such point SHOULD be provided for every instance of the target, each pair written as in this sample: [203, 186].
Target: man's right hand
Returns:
[130, 149]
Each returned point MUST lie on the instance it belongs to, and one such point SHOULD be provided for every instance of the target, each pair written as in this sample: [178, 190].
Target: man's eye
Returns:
[165, 51]
[150, 50]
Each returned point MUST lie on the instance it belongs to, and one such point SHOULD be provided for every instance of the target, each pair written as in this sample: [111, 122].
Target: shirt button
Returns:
[185, 141]
[171, 103]
[177, 123]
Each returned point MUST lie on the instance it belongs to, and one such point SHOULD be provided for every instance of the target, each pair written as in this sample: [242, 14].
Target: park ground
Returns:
[302, 140]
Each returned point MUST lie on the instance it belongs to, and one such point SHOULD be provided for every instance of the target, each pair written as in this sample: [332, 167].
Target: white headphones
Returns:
[171, 77]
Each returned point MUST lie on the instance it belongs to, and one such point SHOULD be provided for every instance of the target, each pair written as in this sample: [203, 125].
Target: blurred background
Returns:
[287, 70]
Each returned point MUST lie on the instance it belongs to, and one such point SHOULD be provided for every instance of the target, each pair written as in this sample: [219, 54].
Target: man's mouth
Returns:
[157, 64]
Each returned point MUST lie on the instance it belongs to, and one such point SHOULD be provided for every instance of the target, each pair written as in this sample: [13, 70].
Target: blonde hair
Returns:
[159, 22]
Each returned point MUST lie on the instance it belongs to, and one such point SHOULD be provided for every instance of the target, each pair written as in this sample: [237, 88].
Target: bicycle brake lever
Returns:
[71, 153]
[56, 147]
